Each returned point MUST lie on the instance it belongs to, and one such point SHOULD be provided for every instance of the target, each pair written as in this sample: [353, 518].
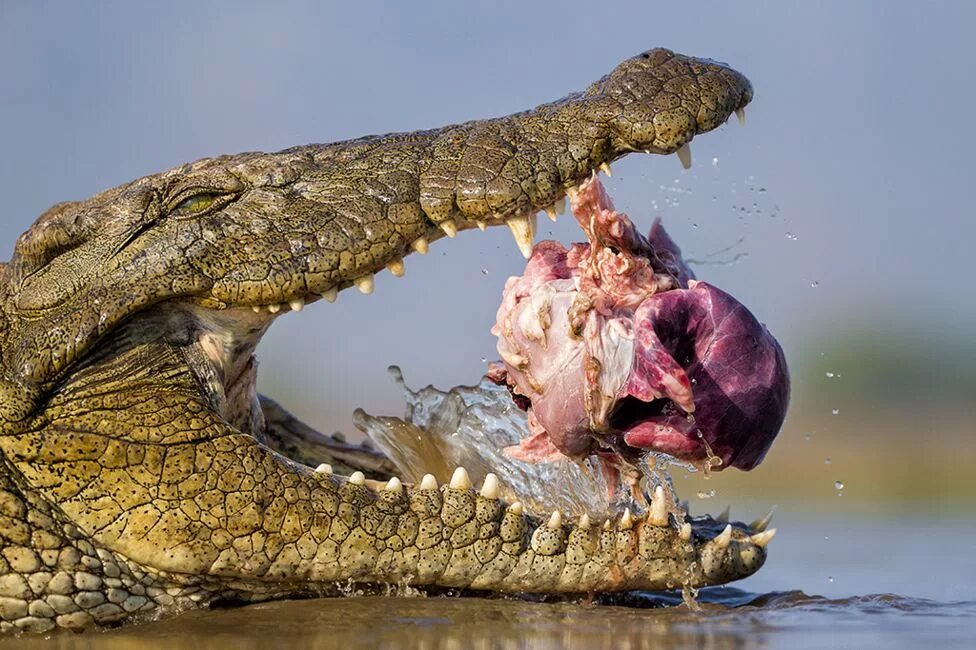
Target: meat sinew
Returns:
[613, 347]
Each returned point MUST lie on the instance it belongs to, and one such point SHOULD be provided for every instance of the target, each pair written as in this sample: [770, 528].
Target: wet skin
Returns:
[140, 472]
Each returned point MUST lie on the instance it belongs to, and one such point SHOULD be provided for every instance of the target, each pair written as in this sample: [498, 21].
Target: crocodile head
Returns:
[130, 429]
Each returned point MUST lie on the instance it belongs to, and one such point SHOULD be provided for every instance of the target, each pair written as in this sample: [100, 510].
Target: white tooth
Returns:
[460, 480]
[357, 478]
[605, 168]
[584, 522]
[523, 229]
[684, 155]
[606, 525]
[274, 309]
[449, 229]
[659, 508]
[396, 268]
[685, 532]
[626, 520]
[490, 488]
[741, 114]
[330, 295]
[482, 225]
[561, 205]
[394, 485]
[256, 309]
[551, 213]
[724, 515]
[364, 284]
[760, 525]
[762, 539]
[428, 482]
[555, 520]
[324, 468]
[515, 508]
[420, 245]
[722, 539]
[297, 305]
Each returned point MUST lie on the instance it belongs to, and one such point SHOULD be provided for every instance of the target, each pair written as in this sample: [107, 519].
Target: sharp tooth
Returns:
[551, 213]
[428, 482]
[460, 480]
[256, 309]
[394, 485]
[297, 305]
[584, 522]
[482, 225]
[741, 114]
[396, 268]
[659, 508]
[762, 539]
[490, 488]
[685, 532]
[760, 525]
[364, 284]
[606, 525]
[555, 520]
[330, 295]
[605, 168]
[684, 155]
[515, 508]
[324, 468]
[724, 515]
[523, 229]
[561, 205]
[357, 478]
[420, 245]
[626, 520]
[722, 539]
[449, 228]
[274, 309]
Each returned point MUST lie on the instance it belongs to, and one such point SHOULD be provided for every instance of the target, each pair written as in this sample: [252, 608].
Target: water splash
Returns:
[470, 426]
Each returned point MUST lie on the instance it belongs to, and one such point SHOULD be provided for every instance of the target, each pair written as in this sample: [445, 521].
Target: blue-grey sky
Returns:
[853, 173]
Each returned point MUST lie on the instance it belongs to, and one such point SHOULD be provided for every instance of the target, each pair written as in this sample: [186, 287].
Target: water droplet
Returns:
[830, 375]
[694, 225]
[484, 271]
[484, 360]
[814, 284]
[715, 161]
[830, 578]
[703, 494]
[808, 437]
[826, 461]
[762, 190]
[835, 411]
[791, 236]
[838, 485]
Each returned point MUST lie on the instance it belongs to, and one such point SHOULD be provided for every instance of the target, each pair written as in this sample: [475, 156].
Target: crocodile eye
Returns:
[195, 204]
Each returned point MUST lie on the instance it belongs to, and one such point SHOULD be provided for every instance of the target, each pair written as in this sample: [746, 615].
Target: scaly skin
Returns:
[139, 474]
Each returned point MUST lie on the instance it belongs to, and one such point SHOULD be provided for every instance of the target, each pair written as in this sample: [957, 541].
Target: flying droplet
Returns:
[830, 375]
[826, 461]
[838, 485]
[814, 284]
[484, 271]
[715, 162]
[835, 411]
[703, 494]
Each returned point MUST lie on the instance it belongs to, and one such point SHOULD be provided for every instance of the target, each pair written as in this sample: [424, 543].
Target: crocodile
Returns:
[142, 475]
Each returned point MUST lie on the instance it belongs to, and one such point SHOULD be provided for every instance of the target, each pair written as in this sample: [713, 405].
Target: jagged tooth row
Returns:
[523, 229]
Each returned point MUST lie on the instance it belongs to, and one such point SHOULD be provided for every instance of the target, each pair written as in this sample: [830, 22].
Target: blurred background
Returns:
[841, 213]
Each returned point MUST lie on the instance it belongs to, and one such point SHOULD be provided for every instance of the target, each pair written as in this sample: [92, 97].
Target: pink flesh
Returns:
[616, 346]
